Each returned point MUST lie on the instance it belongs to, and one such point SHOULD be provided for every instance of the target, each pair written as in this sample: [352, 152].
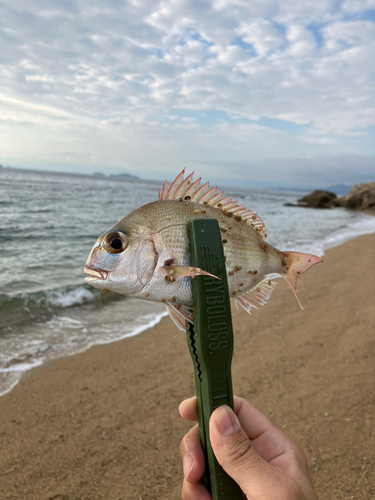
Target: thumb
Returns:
[238, 458]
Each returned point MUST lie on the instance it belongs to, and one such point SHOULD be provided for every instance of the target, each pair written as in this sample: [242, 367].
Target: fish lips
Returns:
[95, 274]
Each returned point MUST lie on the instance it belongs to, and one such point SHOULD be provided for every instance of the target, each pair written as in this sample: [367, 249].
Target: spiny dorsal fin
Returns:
[180, 188]
[256, 296]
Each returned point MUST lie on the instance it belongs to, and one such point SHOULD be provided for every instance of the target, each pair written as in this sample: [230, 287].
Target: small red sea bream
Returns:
[146, 254]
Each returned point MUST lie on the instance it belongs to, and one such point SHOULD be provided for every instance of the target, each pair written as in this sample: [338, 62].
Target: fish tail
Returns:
[297, 263]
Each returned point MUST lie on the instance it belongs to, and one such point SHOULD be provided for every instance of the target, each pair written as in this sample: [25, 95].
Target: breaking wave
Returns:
[342, 232]
[65, 335]
[16, 310]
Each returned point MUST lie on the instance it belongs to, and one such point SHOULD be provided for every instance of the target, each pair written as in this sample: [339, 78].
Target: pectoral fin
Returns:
[173, 273]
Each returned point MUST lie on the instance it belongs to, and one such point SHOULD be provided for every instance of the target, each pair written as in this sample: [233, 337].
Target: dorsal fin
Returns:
[180, 188]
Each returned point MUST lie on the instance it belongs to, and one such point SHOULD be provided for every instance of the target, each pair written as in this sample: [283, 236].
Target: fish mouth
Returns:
[95, 273]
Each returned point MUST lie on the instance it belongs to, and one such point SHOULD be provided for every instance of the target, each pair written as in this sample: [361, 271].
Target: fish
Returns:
[146, 253]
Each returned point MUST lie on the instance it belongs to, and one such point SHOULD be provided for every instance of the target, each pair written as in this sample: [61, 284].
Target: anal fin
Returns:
[256, 296]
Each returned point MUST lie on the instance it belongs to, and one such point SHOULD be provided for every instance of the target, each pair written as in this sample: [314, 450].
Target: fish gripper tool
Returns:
[210, 342]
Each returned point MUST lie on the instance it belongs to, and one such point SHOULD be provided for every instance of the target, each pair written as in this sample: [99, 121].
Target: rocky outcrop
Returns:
[360, 197]
[317, 199]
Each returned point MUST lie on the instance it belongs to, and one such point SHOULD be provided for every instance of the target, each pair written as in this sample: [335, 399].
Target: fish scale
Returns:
[146, 254]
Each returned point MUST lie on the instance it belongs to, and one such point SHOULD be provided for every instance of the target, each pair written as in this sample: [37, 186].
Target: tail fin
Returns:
[298, 263]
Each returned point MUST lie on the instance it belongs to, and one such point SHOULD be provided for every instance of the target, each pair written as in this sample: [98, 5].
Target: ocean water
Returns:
[48, 225]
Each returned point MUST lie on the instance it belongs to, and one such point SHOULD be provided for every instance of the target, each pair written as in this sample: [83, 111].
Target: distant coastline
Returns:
[123, 175]
[338, 189]
[77, 174]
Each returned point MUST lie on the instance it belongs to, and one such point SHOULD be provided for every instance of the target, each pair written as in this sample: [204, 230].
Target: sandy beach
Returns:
[104, 424]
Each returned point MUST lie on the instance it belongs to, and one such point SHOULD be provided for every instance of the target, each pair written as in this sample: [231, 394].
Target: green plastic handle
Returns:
[210, 343]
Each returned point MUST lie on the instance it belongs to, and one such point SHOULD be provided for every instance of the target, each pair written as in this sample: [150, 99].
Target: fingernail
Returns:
[187, 465]
[226, 421]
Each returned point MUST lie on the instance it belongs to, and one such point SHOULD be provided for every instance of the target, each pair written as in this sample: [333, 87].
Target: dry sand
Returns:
[104, 424]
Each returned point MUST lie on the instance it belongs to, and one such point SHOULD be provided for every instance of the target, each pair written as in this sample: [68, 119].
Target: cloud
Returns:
[262, 34]
[301, 41]
[106, 75]
[355, 6]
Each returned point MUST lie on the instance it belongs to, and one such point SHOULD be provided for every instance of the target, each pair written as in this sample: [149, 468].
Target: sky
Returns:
[259, 93]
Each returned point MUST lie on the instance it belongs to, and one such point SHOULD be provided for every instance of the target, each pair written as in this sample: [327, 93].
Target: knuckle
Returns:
[186, 492]
[300, 456]
[292, 490]
[240, 450]
[184, 495]
[183, 446]
[297, 454]
[190, 441]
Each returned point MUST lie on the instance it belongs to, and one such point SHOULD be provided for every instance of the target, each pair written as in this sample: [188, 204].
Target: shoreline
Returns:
[16, 375]
[156, 318]
[104, 423]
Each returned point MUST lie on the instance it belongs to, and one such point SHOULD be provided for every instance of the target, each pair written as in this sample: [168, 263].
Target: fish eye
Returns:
[115, 242]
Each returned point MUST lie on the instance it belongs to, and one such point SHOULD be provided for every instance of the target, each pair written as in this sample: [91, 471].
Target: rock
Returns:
[360, 197]
[319, 199]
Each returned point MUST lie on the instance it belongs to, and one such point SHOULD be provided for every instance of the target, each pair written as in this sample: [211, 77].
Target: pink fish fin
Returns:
[297, 263]
[180, 314]
[173, 273]
[211, 193]
[256, 296]
[184, 188]
[175, 184]
[235, 302]
[241, 301]
[164, 191]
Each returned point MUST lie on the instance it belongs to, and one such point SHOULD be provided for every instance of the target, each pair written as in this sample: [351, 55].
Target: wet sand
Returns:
[104, 424]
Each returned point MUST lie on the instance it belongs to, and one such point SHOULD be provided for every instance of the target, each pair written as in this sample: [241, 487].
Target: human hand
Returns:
[263, 461]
